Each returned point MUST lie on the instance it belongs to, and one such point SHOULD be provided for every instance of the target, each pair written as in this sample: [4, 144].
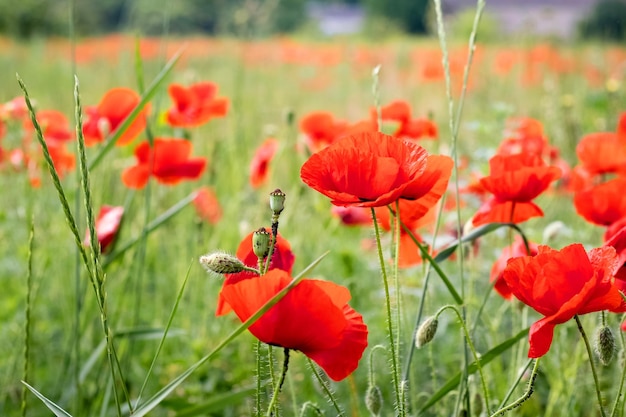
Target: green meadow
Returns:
[158, 303]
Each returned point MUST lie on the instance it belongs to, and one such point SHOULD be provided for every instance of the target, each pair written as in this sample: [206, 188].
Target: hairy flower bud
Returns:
[222, 263]
[277, 201]
[374, 400]
[261, 243]
[605, 345]
[426, 331]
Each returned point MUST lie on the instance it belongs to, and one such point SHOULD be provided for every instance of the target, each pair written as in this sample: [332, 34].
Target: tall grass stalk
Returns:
[27, 315]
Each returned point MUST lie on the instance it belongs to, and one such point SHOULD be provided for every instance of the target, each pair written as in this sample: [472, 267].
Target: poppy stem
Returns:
[390, 333]
[472, 349]
[591, 363]
[279, 386]
[621, 383]
[525, 396]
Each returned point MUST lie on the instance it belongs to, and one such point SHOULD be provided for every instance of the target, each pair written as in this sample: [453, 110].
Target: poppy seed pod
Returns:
[426, 332]
[261, 243]
[374, 400]
[222, 263]
[605, 345]
[277, 201]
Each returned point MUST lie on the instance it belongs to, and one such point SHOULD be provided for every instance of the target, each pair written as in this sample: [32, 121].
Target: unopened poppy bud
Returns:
[374, 400]
[426, 332]
[277, 201]
[290, 116]
[222, 263]
[605, 345]
[261, 243]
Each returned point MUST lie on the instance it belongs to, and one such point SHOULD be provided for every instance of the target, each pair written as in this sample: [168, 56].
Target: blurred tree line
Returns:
[27, 18]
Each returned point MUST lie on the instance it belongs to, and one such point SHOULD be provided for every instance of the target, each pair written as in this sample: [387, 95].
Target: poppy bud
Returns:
[605, 345]
[222, 263]
[290, 116]
[261, 243]
[426, 331]
[374, 400]
[277, 201]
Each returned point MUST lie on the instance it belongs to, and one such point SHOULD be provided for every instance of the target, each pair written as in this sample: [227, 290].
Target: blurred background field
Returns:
[275, 67]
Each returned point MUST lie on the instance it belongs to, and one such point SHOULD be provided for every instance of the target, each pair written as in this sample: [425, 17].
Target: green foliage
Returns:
[488, 30]
[408, 15]
[606, 21]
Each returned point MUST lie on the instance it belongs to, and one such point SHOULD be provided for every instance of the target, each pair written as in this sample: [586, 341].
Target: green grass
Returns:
[260, 97]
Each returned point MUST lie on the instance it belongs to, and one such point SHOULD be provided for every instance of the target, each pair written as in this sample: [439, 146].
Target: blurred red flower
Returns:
[195, 105]
[602, 204]
[321, 129]
[517, 249]
[54, 126]
[107, 225]
[259, 166]
[113, 109]
[314, 318]
[399, 111]
[207, 205]
[514, 180]
[171, 163]
[283, 259]
[372, 169]
[562, 284]
[601, 153]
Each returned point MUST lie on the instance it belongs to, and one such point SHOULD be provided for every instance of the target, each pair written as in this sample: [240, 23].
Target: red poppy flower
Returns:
[54, 126]
[63, 160]
[15, 109]
[207, 205]
[617, 239]
[112, 110]
[601, 153]
[283, 259]
[352, 216]
[321, 129]
[602, 204]
[195, 105]
[514, 180]
[562, 284]
[107, 225]
[400, 111]
[517, 249]
[259, 167]
[171, 163]
[314, 318]
[372, 170]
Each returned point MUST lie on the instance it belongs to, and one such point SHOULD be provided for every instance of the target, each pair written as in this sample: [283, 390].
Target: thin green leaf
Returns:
[216, 403]
[475, 234]
[145, 98]
[165, 333]
[58, 411]
[156, 399]
[484, 360]
[151, 227]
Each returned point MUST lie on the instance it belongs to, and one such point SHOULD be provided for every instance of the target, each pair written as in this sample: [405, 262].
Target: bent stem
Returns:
[470, 344]
[394, 361]
[525, 396]
[596, 382]
[279, 386]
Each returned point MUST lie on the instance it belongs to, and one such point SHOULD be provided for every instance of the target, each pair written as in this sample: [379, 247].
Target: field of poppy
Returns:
[283, 227]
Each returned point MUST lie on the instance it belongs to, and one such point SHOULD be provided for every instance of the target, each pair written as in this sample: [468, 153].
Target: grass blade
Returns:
[475, 234]
[58, 411]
